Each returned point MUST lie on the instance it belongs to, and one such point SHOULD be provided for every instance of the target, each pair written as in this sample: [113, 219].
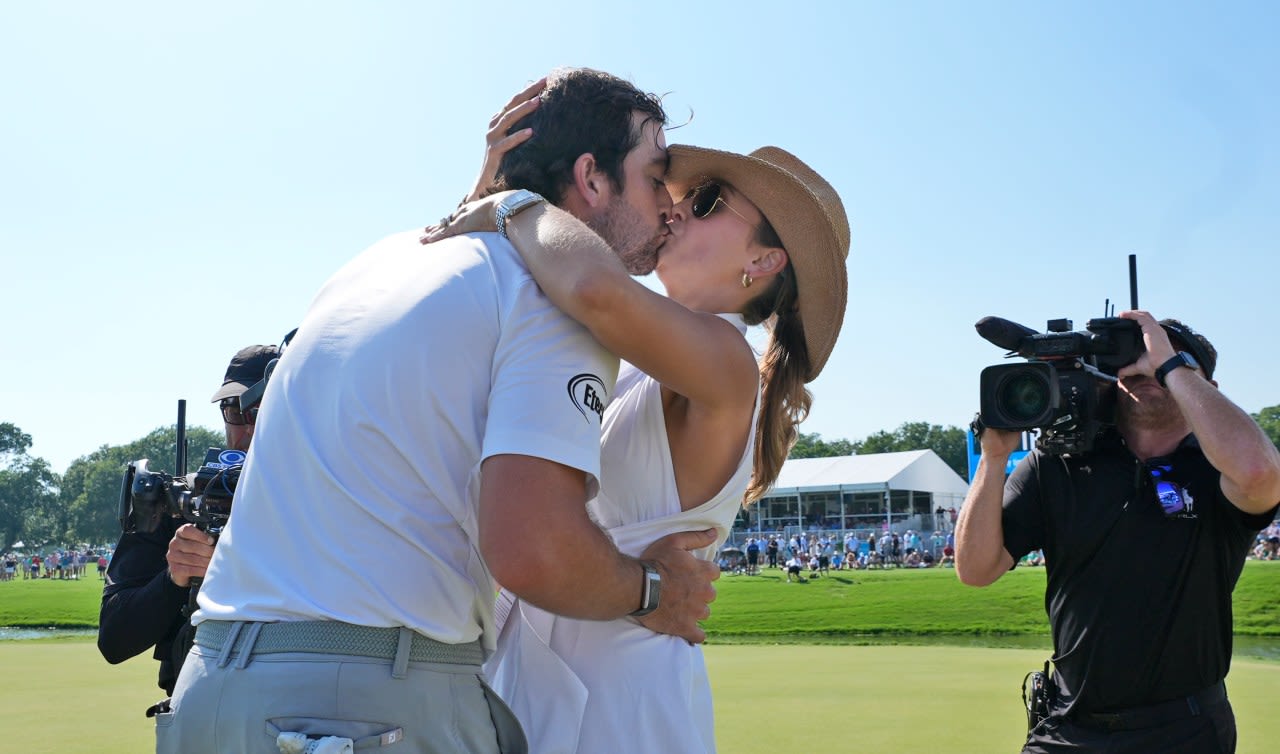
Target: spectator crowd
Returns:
[56, 564]
[816, 553]
[808, 554]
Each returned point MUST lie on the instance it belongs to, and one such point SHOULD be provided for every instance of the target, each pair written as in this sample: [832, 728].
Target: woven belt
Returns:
[1155, 714]
[334, 637]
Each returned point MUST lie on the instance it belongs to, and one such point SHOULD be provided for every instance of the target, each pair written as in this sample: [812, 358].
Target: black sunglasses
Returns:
[231, 413]
[705, 200]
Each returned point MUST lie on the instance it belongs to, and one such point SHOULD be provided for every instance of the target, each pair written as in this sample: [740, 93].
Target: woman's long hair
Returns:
[784, 400]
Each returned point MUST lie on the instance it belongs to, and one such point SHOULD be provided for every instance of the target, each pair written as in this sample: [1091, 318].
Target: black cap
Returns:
[246, 369]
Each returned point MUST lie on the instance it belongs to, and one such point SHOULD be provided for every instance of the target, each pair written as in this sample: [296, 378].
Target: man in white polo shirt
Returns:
[434, 427]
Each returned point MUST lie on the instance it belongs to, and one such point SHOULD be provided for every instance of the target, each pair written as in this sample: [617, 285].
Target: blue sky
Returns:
[177, 180]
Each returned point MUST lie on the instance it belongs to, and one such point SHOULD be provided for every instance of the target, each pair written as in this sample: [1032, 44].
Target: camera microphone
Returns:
[1004, 333]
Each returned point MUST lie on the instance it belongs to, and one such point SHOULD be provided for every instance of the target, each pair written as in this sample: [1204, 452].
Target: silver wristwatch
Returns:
[512, 205]
[652, 591]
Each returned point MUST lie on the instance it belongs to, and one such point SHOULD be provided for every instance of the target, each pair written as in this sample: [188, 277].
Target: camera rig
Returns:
[1066, 389]
[203, 498]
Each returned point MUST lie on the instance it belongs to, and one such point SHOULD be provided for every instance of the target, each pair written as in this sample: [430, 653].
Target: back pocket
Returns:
[362, 734]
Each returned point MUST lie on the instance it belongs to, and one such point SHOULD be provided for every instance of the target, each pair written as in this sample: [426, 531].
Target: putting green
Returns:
[962, 700]
[60, 696]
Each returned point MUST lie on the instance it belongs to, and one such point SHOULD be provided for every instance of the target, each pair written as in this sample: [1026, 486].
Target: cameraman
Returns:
[148, 580]
[1144, 538]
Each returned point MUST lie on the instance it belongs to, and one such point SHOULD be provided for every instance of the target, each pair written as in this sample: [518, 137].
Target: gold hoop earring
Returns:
[746, 280]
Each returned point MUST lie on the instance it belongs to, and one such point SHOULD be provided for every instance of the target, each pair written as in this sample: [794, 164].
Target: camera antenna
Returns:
[1133, 281]
[181, 463]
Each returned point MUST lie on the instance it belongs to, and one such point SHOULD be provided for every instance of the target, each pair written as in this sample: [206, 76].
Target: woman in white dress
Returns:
[695, 429]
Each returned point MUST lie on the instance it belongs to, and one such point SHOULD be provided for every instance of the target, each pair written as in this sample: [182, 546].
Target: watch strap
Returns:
[652, 593]
[1179, 359]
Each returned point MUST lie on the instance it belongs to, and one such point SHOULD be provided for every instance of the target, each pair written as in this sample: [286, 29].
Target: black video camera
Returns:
[204, 498]
[147, 497]
[1067, 387]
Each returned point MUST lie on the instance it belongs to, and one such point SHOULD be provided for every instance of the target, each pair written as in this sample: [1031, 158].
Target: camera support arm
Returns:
[1098, 374]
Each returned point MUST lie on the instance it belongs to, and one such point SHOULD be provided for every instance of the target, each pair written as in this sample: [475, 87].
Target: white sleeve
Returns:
[551, 382]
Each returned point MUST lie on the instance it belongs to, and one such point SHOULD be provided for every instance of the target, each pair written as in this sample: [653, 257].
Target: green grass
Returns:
[853, 605]
[790, 696]
[841, 607]
[72, 603]
[61, 697]
[903, 699]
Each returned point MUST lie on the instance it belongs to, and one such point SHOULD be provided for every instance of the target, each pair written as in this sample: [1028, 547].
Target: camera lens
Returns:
[1023, 396]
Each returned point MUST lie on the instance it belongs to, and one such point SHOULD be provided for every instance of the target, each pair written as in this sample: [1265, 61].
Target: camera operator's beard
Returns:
[1153, 411]
[635, 240]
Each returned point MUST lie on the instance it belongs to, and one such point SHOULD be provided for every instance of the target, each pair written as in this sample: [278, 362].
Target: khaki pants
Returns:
[240, 701]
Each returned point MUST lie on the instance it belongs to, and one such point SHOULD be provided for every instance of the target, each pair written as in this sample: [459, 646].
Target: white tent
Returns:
[897, 489]
[921, 470]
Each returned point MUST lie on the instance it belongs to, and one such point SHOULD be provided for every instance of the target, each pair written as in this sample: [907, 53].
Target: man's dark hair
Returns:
[581, 111]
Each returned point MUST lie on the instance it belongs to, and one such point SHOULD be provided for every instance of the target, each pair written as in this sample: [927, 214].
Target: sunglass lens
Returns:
[704, 200]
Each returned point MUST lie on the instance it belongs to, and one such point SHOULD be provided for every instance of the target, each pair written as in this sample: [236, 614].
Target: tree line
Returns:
[948, 442]
[42, 508]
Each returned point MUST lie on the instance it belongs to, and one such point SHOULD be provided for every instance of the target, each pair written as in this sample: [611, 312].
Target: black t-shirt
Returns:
[1139, 600]
[142, 607]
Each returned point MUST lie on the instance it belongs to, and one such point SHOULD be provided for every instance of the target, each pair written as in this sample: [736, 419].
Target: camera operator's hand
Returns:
[999, 443]
[994, 442]
[189, 554]
[687, 591]
[1159, 349]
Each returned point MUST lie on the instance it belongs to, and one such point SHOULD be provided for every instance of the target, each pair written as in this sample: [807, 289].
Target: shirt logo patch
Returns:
[588, 393]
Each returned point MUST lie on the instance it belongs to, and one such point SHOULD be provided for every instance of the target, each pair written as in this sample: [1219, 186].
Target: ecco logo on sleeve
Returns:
[588, 393]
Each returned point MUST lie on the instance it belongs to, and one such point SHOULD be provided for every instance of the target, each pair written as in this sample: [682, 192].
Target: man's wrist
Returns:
[168, 576]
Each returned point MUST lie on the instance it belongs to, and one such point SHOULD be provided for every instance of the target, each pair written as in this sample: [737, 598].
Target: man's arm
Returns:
[980, 554]
[539, 543]
[695, 354]
[140, 603]
[1231, 440]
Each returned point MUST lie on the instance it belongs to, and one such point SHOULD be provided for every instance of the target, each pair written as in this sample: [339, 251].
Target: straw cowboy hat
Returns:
[807, 214]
